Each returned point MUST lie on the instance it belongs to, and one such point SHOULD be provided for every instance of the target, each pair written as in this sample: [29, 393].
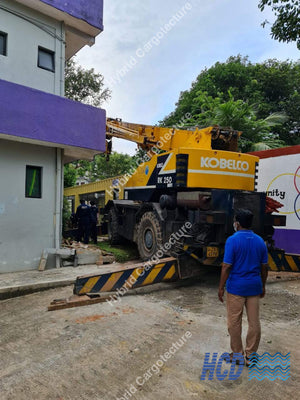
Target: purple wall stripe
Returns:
[90, 11]
[37, 115]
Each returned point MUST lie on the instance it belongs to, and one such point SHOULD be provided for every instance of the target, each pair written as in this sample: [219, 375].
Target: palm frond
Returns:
[277, 118]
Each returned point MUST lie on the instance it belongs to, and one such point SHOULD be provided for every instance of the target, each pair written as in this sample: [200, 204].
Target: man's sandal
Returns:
[238, 362]
[249, 363]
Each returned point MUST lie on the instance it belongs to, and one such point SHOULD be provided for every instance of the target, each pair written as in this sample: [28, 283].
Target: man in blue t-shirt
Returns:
[244, 271]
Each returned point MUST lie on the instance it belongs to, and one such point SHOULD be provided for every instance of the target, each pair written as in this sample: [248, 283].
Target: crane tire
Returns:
[149, 235]
[113, 227]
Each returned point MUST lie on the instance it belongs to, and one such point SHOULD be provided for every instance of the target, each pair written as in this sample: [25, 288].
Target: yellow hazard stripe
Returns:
[195, 257]
[170, 273]
[210, 261]
[132, 279]
[272, 264]
[111, 281]
[87, 288]
[150, 278]
[292, 263]
[158, 270]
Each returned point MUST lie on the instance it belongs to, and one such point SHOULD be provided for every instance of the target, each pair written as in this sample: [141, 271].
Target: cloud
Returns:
[211, 31]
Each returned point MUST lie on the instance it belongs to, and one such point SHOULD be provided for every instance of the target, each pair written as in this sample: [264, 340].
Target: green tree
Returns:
[85, 85]
[66, 214]
[118, 164]
[286, 27]
[237, 115]
[266, 88]
[70, 175]
[101, 168]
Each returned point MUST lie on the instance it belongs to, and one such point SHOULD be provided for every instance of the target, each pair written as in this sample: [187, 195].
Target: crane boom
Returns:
[167, 139]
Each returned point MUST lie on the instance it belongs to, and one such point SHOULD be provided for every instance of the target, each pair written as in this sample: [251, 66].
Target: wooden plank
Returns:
[43, 260]
[76, 301]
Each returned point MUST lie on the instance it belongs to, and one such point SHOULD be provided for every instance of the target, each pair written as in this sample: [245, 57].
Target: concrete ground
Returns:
[14, 284]
[104, 351]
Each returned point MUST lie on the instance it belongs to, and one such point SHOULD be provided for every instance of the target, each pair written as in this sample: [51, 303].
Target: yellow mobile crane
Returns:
[179, 204]
[186, 175]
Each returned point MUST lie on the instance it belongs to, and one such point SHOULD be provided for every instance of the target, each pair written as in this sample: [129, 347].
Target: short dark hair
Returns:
[93, 203]
[82, 201]
[244, 217]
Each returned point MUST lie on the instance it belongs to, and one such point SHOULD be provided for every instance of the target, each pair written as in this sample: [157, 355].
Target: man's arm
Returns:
[224, 276]
[264, 275]
[264, 268]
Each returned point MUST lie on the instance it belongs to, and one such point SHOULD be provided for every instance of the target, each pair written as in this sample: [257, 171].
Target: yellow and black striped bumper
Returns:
[280, 261]
[130, 278]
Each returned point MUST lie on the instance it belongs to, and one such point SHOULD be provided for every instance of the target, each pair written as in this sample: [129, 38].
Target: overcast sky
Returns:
[151, 50]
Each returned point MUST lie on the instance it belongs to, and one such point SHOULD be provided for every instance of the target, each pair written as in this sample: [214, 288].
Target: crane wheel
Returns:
[112, 227]
[149, 235]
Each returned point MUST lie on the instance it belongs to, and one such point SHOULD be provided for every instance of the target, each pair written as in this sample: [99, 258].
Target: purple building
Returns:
[40, 130]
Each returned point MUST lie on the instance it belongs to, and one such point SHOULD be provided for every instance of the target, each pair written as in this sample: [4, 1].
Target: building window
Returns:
[3, 43]
[33, 184]
[46, 59]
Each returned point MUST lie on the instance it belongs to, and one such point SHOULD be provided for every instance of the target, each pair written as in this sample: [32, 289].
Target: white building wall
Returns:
[26, 31]
[26, 224]
[29, 225]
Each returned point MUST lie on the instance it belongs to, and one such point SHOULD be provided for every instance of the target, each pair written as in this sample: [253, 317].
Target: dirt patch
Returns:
[128, 310]
[93, 318]
[97, 317]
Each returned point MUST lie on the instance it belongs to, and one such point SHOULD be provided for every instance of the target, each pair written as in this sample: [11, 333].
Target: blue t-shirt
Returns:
[245, 251]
